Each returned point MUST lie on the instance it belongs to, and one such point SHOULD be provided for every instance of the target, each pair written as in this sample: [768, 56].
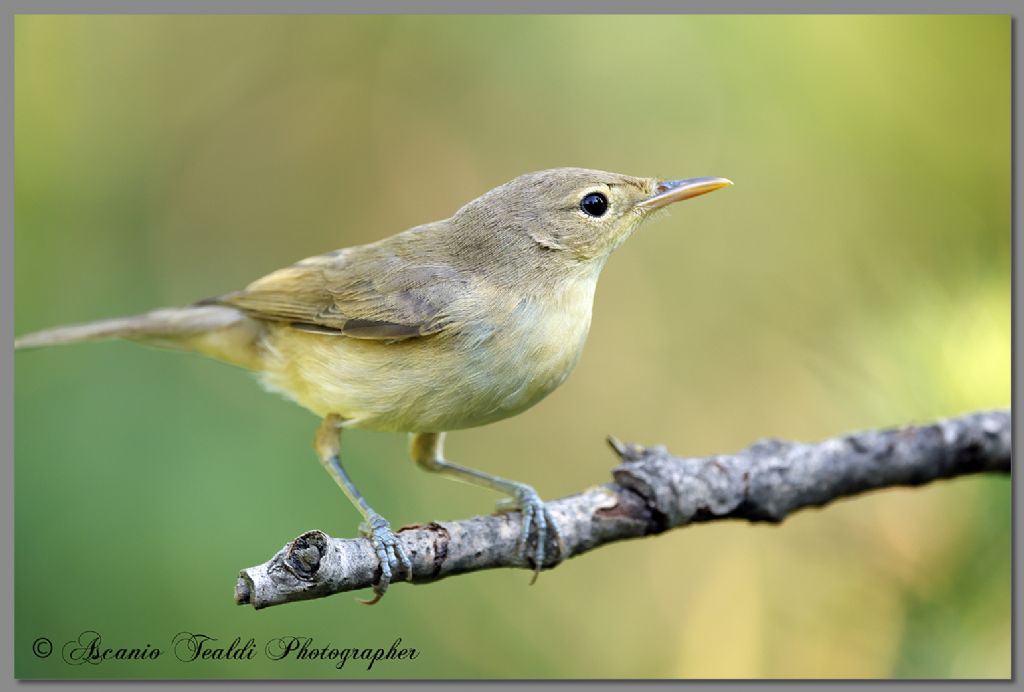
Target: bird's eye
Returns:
[594, 204]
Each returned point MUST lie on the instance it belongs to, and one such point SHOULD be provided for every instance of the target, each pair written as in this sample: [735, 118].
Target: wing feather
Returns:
[376, 291]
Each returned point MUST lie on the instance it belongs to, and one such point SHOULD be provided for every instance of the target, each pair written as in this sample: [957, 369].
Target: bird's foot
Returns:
[536, 518]
[392, 556]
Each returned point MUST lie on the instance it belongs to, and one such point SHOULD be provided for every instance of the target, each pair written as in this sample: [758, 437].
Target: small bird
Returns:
[449, 325]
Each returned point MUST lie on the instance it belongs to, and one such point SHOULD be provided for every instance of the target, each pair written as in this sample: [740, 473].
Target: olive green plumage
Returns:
[448, 325]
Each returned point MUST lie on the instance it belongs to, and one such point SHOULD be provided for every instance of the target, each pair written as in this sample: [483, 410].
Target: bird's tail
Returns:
[214, 330]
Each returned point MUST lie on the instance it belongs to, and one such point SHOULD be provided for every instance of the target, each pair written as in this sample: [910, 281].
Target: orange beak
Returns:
[668, 191]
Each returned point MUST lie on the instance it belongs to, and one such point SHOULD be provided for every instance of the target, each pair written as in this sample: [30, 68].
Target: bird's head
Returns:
[577, 214]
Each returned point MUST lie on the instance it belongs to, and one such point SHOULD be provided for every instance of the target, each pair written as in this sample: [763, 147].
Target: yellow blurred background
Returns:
[857, 275]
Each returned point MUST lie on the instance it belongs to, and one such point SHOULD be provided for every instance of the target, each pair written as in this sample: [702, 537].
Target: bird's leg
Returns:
[427, 451]
[389, 550]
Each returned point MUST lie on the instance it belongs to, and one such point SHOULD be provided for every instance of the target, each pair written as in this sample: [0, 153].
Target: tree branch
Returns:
[653, 492]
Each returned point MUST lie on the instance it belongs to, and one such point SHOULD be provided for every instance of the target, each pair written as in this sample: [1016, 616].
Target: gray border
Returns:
[9, 8]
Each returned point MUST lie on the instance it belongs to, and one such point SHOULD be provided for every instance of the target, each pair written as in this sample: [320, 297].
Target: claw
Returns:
[535, 516]
[392, 556]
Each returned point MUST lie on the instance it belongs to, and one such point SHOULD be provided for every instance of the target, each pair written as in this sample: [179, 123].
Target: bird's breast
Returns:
[545, 336]
[502, 355]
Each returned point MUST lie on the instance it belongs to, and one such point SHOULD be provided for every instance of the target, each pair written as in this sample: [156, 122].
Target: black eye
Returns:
[594, 204]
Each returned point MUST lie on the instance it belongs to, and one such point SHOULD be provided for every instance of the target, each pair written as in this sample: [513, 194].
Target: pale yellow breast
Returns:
[549, 334]
[490, 368]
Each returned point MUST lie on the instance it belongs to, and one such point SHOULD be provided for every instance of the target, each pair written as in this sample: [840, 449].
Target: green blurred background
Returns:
[857, 275]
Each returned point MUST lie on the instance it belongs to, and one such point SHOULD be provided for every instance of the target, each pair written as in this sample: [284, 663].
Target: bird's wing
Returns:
[365, 292]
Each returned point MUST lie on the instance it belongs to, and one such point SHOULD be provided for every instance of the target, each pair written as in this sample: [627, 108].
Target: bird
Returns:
[448, 325]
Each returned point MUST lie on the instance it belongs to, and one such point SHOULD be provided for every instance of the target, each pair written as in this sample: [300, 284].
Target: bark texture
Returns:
[652, 492]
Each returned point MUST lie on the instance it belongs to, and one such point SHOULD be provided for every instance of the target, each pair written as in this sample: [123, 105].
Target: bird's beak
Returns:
[668, 191]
